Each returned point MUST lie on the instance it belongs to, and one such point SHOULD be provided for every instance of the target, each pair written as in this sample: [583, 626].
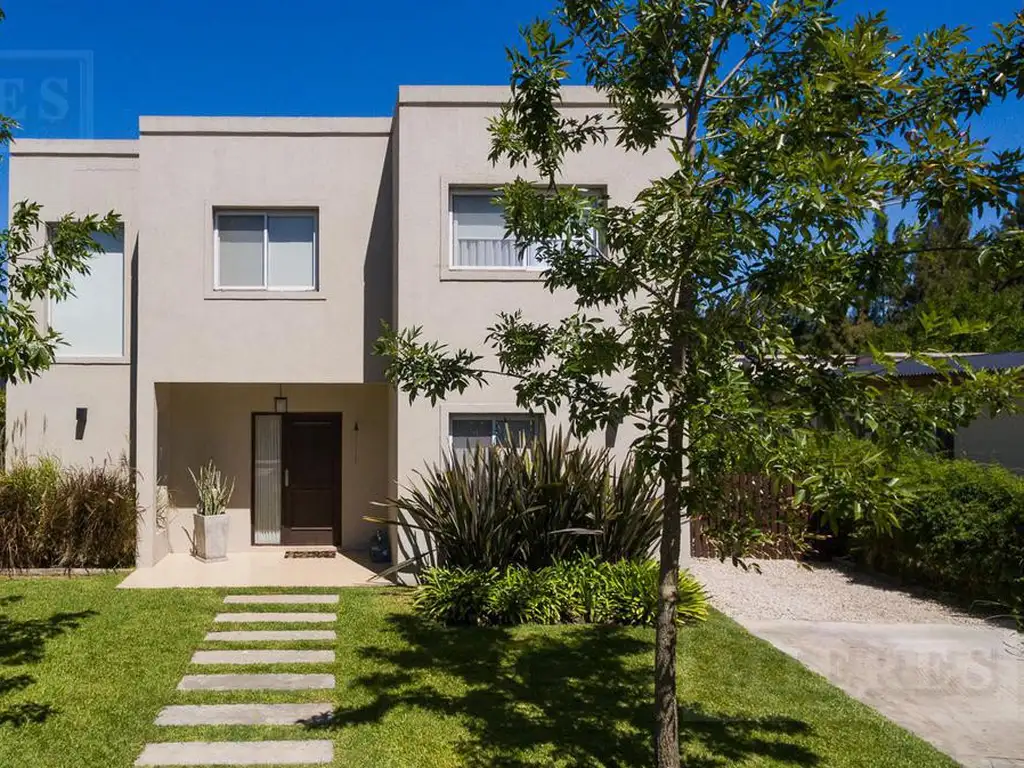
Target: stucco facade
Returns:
[199, 361]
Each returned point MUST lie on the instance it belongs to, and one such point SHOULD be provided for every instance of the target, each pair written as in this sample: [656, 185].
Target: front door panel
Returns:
[312, 479]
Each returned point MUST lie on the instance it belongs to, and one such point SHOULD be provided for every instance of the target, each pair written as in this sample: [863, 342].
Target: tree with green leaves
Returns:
[940, 278]
[789, 132]
[31, 272]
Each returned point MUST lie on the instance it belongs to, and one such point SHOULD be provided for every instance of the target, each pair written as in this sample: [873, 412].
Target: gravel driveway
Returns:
[818, 592]
[955, 680]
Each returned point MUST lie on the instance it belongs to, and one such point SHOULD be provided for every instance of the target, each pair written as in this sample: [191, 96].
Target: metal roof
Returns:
[979, 361]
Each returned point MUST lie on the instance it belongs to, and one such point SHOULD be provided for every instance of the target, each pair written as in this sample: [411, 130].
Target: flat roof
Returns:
[264, 126]
[75, 148]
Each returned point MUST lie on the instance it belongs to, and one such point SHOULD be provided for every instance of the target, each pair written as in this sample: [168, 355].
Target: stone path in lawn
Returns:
[307, 752]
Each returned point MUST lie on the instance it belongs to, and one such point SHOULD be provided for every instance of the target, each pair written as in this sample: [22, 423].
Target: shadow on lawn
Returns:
[582, 697]
[24, 642]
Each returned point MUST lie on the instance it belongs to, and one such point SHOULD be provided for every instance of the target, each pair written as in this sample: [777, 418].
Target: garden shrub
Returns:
[580, 591]
[963, 532]
[67, 517]
[533, 505]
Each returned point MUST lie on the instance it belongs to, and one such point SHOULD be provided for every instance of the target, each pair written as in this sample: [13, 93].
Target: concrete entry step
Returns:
[254, 635]
[245, 714]
[281, 599]
[271, 682]
[263, 657]
[238, 753]
[279, 618]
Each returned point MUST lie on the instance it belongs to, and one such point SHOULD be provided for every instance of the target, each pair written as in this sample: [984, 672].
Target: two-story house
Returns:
[234, 320]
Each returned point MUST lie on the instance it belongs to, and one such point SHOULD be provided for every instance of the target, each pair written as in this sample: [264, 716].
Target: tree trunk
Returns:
[666, 709]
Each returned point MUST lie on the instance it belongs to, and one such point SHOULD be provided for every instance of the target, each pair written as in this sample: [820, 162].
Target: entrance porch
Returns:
[307, 462]
[258, 567]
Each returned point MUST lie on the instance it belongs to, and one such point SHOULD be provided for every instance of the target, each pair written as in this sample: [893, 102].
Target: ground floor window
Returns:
[467, 431]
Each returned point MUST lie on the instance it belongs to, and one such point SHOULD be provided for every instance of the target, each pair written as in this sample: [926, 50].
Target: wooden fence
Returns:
[752, 502]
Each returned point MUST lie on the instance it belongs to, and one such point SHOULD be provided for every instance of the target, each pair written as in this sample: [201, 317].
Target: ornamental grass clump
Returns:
[52, 516]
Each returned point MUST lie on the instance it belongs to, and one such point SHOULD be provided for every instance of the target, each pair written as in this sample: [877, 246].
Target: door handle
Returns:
[286, 478]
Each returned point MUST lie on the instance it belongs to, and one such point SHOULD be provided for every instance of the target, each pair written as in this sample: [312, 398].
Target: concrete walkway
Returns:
[958, 687]
[955, 681]
[300, 751]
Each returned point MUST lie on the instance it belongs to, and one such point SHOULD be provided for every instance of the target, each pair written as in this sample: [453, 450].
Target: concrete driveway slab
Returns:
[960, 687]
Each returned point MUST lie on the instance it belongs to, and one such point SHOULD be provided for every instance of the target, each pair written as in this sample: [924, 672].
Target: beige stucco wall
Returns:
[192, 166]
[200, 422]
[77, 177]
[443, 142]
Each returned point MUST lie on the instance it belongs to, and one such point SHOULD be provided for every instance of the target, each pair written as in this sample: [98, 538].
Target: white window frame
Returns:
[266, 214]
[493, 416]
[454, 192]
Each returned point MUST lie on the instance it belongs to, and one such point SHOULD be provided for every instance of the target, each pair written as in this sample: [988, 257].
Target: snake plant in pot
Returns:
[213, 493]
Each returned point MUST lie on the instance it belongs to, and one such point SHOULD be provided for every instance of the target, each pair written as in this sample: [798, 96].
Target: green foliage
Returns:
[531, 505]
[962, 531]
[945, 296]
[213, 490]
[570, 591]
[67, 517]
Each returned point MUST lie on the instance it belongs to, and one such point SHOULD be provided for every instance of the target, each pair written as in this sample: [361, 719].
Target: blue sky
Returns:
[72, 68]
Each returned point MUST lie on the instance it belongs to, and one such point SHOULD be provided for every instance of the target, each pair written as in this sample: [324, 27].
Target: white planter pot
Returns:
[211, 537]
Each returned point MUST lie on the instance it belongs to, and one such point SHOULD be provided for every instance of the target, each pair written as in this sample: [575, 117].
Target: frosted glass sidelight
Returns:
[267, 472]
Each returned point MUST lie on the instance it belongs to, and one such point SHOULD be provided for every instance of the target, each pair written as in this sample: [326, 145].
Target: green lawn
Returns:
[84, 669]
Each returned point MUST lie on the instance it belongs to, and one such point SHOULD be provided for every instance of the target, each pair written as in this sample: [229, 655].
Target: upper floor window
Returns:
[265, 251]
[478, 235]
[479, 239]
[91, 319]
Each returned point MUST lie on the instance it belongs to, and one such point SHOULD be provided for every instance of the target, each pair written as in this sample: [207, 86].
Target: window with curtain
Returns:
[478, 235]
[272, 251]
[91, 320]
[467, 431]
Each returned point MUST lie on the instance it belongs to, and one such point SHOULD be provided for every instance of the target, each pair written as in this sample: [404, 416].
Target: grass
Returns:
[84, 669]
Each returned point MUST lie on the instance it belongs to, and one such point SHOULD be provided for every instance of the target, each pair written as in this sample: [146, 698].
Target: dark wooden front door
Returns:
[311, 511]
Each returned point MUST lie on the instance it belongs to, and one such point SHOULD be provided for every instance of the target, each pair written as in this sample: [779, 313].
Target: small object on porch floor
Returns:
[297, 553]
[380, 549]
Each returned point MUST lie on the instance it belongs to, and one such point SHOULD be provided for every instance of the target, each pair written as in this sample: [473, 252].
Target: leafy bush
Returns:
[963, 531]
[533, 505]
[581, 591]
[67, 517]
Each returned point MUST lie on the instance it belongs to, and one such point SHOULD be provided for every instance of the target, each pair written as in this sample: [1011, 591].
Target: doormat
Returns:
[299, 553]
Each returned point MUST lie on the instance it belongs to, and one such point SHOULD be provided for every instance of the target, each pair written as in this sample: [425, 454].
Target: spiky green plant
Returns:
[212, 489]
[531, 505]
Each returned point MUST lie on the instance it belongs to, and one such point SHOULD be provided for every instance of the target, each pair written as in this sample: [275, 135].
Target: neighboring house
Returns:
[235, 317]
[988, 439]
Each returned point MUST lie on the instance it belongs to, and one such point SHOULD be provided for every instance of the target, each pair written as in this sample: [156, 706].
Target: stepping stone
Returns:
[280, 618]
[270, 682]
[238, 753]
[281, 599]
[263, 657]
[252, 635]
[246, 714]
